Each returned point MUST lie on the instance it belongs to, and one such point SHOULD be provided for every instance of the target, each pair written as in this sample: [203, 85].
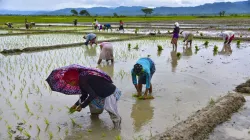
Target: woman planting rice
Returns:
[227, 36]
[107, 26]
[121, 25]
[144, 69]
[106, 52]
[90, 38]
[92, 89]
[188, 37]
[175, 35]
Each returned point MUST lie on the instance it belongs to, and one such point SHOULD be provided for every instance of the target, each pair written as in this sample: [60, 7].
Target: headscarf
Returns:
[138, 68]
[176, 24]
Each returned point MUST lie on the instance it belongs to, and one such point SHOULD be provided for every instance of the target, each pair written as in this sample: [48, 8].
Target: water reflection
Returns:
[90, 50]
[142, 113]
[187, 51]
[109, 69]
[174, 61]
[226, 50]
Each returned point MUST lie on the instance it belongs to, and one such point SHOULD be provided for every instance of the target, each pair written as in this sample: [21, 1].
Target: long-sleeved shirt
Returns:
[92, 86]
[146, 71]
[186, 34]
[89, 37]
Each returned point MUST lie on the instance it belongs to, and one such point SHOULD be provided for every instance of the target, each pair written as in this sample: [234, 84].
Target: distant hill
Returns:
[214, 8]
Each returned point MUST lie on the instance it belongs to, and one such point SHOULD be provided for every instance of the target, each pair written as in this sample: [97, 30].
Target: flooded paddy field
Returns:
[181, 86]
[23, 41]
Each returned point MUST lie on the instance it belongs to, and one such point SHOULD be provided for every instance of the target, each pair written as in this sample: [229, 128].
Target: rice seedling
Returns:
[20, 129]
[240, 35]
[211, 101]
[89, 130]
[104, 135]
[178, 54]
[201, 34]
[38, 129]
[197, 48]
[27, 107]
[215, 48]
[26, 134]
[50, 135]
[8, 102]
[118, 138]
[1, 118]
[51, 107]
[59, 128]
[129, 46]
[59, 109]
[159, 47]
[159, 32]
[46, 121]
[10, 134]
[73, 121]
[136, 47]
[30, 126]
[67, 132]
[238, 42]
[24, 121]
[248, 29]
[9, 127]
[37, 117]
[206, 43]
[17, 117]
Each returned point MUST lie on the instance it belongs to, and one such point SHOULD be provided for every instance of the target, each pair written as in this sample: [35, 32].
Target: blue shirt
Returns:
[146, 65]
[89, 37]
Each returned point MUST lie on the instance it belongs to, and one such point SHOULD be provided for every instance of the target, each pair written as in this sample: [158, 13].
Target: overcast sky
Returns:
[59, 4]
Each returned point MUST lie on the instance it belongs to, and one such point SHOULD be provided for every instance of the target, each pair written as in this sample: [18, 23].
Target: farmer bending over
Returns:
[90, 38]
[144, 69]
[188, 37]
[227, 36]
[106, 52]
[107, 26]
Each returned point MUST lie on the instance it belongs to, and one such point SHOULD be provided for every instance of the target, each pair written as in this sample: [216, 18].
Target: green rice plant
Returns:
[136, 47]
[1, 118]
[197, 48]
[118, 138]
[9, 127]
[59, 128]
[168, 31]
[10, 134]
[15, 114]
[24, 121]
[89, 130]
[26, 134]
[20, 129]
[37, 117]
[206, 43]
[201, 34]
[67, 132]
[248, 29]
[73, 121]
[59, 109]
[27, 107]
[240, 35]
[178, 54]
[211, 101]
[215, 48]
[38, 129]
[50, 135]
[159, 47]
[129, 45]
[51, 107]
[46, 121]
[104, 135]
[238, 42]
[30, 126]
[8, 102]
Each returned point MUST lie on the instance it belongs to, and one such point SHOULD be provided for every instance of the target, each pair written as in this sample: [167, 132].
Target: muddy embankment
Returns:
[202, 123]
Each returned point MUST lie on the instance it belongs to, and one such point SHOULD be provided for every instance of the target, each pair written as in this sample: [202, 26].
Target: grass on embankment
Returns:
[69, 19]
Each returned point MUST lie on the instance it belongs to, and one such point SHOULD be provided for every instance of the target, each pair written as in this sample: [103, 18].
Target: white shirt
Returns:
[186, 33]
[226, 35]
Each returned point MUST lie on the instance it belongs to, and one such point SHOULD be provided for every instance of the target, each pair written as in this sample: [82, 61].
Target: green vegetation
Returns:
[238, 42]
[197, 48]
[136, 47]
[159, 47]
[178, 54]
[129, 46]
[206, 43]
[69, 19]
[147, 11]
[136, 30]
[211, 101]
[215, 48]
[201, 34]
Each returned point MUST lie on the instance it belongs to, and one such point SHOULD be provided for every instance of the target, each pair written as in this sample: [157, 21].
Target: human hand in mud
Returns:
[79, 108]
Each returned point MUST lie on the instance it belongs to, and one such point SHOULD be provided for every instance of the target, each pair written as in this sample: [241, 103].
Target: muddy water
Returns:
[22, 41]
[180, 87]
